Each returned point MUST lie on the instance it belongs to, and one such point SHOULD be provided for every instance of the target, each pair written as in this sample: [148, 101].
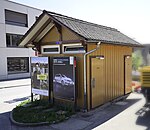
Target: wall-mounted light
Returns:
[128, 56]
[100, 57]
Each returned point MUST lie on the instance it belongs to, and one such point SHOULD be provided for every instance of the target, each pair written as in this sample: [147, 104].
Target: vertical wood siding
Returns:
[51, 36]
[79, 76]
[113, 66]
[114, 69]
[128, 76]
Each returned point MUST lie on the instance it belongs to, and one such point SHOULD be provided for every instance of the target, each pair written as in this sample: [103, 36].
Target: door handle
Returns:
[93, 82]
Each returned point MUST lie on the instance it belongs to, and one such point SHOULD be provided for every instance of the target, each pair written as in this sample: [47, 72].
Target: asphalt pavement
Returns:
[127, 114]
[135, 117]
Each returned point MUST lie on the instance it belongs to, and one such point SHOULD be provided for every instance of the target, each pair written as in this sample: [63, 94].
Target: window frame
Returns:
[14, 21]
[76, 45]
[20, 66]
[10, 35]
[48, 47]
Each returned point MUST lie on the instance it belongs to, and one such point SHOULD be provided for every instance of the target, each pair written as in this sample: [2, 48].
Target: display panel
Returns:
[39, 75]
[64, 78]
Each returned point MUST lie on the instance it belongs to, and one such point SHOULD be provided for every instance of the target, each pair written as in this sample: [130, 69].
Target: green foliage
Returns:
[24, 103]
[136, 60]
[40, 111]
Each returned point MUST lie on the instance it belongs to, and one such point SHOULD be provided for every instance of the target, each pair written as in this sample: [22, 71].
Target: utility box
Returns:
[145, 82]
[145, 76]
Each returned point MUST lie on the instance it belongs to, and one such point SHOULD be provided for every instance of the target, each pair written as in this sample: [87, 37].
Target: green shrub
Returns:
[41, 111]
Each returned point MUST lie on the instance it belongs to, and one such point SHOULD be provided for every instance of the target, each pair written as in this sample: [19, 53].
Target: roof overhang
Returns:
[114, 43]
[37, 31]
[47, 21]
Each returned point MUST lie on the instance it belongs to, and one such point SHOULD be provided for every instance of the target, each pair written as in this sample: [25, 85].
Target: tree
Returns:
[137, 60]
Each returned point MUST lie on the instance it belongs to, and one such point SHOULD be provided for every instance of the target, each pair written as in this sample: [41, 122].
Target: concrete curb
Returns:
[81, 114]
[15, 86]
[26, 124]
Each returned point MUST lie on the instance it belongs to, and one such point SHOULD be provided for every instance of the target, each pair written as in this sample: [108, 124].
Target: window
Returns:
[73, 48]
[13, 40]
[50, 49]
[15, 18]
[17, 65]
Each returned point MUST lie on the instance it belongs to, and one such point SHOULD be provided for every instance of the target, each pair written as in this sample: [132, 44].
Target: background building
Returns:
[15, 20]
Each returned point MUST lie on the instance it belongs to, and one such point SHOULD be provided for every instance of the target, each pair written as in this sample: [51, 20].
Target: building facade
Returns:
[15, 20]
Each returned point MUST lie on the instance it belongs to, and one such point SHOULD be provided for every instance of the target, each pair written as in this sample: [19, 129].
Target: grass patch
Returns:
[41, 111]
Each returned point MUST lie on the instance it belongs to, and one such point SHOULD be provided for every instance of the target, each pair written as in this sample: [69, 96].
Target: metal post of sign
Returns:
[75, 65]
[31, 84]
[31, 97]
[50, 79]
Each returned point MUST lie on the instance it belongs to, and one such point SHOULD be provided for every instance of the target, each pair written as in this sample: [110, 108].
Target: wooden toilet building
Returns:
[103, 55]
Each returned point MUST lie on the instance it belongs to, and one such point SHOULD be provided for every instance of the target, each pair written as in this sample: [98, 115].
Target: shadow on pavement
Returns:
[6, 124]
[104, 113]
[92, 118]
[144, 117]
[17, 100]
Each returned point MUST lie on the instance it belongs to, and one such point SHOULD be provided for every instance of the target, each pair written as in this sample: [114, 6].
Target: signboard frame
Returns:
[64, 78]
[39, 76]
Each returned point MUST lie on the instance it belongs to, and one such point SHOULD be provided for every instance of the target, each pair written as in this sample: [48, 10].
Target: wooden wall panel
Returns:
[114, 69]
[51, 36]
[113, 66]
[68, 35]
[79, 76]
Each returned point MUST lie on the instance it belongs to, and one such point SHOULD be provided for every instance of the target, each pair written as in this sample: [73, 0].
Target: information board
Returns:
[39, 75]
[64, 78]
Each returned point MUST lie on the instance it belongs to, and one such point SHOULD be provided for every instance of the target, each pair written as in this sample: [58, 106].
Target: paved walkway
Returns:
[80, 121]
[94, 118]
[132, 118]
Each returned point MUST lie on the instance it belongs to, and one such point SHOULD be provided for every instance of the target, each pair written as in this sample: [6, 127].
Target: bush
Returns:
[40, 111]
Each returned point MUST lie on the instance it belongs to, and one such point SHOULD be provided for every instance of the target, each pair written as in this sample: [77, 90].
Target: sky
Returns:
[131, 17]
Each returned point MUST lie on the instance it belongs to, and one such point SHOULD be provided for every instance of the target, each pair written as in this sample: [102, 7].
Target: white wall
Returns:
[3, 64]
[2, 13]
[2, 36]
[5, 28]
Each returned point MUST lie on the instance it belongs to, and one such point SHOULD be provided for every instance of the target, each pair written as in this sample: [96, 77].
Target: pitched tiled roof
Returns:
[93, 32]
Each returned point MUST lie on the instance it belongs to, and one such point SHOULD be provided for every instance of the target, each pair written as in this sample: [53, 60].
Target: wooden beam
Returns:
[40, 30]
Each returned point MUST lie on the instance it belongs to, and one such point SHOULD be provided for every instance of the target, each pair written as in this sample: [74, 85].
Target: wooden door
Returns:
[97, 82]
[128, 74]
